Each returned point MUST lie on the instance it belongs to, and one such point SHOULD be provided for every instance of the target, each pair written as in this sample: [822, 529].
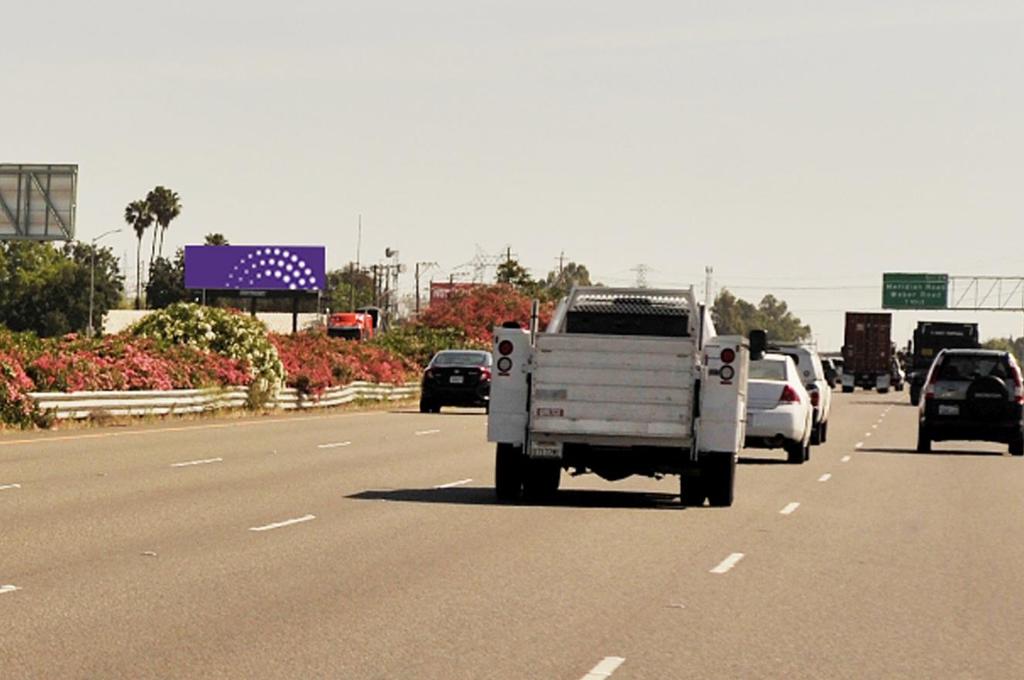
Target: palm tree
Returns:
[166, 205]
[139, 217]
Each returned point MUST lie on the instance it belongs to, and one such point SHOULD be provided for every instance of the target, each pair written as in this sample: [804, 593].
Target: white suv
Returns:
[812, 373]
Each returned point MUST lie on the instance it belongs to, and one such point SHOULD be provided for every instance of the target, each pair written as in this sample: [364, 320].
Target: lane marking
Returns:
[333, 445]
[844, 459]
[453, 484]
[286, 523]
[205, 461]
[423, 433]
[875, 426]
[789, 509]
[604, 669]
[728, 563]
[867, 434]
[825, 477]
[10, 486]
[163, 430]
[8, 589]
[860, 445]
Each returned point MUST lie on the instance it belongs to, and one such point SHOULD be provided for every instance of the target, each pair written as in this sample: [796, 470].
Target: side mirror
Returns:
[758, 343]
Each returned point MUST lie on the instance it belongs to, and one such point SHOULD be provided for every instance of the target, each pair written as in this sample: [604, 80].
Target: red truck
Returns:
[351, 325]
[868, 351]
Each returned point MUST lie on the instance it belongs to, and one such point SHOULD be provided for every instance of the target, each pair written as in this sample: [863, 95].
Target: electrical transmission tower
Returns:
[641, 270]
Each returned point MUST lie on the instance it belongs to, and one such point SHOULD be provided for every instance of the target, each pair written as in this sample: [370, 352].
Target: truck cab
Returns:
[624, 381]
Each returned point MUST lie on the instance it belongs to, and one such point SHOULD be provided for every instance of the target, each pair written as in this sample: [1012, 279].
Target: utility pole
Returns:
[708, 300]
[352, 275]
[426, 266]
[561, 263]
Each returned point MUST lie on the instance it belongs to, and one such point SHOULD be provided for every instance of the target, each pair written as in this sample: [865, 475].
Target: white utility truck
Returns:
[625, 381]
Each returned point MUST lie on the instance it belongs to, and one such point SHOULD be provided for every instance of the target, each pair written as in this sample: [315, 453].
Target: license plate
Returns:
[949, 410]
[456, 380]
[545, 450]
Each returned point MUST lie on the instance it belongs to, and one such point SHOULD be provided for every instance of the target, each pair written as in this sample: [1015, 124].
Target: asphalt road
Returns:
[368, 545]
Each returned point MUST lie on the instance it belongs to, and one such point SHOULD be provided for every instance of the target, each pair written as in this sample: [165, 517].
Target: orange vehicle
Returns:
[350, 325]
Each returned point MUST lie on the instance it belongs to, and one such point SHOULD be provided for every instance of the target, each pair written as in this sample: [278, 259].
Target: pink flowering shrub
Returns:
[313, 362]
[16, 407]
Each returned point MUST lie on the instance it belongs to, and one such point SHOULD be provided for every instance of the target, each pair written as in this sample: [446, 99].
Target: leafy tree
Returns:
[216, 239]
[165, 206]
[1015, 346]
[516, 275]
[735, 316]
[46, 290]
[558, 283]
[139, 216]
[166, 283]
[342, 283]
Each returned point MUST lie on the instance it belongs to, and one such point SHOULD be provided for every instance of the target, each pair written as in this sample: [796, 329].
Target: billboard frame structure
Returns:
[38, 201]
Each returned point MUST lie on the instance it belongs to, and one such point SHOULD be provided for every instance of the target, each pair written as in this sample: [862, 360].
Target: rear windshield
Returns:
[966, 367]
[768, 369]
[462, 359]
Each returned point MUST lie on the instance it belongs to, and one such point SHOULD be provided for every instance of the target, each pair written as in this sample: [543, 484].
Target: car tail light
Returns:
[815, 395]
[428, 374]
[789, 395]
[929, 389]
[1018, 385]
[485, 374]
[728, 355]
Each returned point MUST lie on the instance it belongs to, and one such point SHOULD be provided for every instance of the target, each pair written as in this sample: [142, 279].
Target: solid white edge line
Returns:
[422, 433]
[605, 668]
[10, 486]
[333, 445]
[287, 522]
[453, 484]
[789, 509]
[844, 459]
[205, 461]
[8, 589]
[825, 477]
[728, 563]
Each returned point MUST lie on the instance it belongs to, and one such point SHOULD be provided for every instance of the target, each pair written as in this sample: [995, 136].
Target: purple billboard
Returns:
[255, 267]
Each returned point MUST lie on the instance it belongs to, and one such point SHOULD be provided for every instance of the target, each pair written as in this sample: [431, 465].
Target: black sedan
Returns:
[456, 377]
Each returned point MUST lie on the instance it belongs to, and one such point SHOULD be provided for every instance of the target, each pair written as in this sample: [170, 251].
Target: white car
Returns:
[779, 411]
[812, 374]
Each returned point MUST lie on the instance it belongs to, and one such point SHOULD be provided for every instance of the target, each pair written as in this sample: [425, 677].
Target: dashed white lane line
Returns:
[205, 461]
[844, 459]
[423, 433]
[867, 434]
[875, 426]
[333, 445]
[860, 445]
[4, 487]
[728, 563]
[604, 669]
[825, 477]
[789, 509]
[449, 485]
[8, 589]
[286, 523]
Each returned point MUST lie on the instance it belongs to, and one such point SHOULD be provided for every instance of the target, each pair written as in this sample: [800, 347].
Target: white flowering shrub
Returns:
[225, 332]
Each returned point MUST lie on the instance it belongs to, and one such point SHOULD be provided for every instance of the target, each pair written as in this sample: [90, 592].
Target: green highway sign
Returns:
[915, 291]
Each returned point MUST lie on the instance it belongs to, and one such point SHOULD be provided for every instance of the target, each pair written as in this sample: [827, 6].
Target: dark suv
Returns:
[456, 377]
[972, 394]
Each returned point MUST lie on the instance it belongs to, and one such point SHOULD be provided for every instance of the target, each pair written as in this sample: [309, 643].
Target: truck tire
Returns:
[883, 390]
[508, 473]
[721, 484]
[1017, 444]
[816, 434]
[847, 389]
[540, 478]
[915, 395]
[692, 489]
[924, 440]
[824, 432]
[796, 452]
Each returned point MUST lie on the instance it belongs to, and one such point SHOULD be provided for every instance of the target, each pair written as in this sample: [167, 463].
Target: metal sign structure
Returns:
[37, 202]
[986, 293]
[915, 291]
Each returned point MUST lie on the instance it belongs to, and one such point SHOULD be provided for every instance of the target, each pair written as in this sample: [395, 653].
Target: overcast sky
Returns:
[788, 144]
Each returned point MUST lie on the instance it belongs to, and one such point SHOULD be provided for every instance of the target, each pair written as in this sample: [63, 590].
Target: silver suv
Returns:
[972, 394]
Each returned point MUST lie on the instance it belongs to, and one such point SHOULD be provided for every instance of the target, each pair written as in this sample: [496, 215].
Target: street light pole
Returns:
[91, 330]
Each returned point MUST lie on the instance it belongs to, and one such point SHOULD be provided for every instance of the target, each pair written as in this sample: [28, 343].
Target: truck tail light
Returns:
[1018, 385]
[789, 395]
[815, 395]
[505, 348]
[728, 355]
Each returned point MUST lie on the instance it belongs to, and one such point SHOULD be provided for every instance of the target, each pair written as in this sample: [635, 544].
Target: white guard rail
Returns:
[79, 405]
